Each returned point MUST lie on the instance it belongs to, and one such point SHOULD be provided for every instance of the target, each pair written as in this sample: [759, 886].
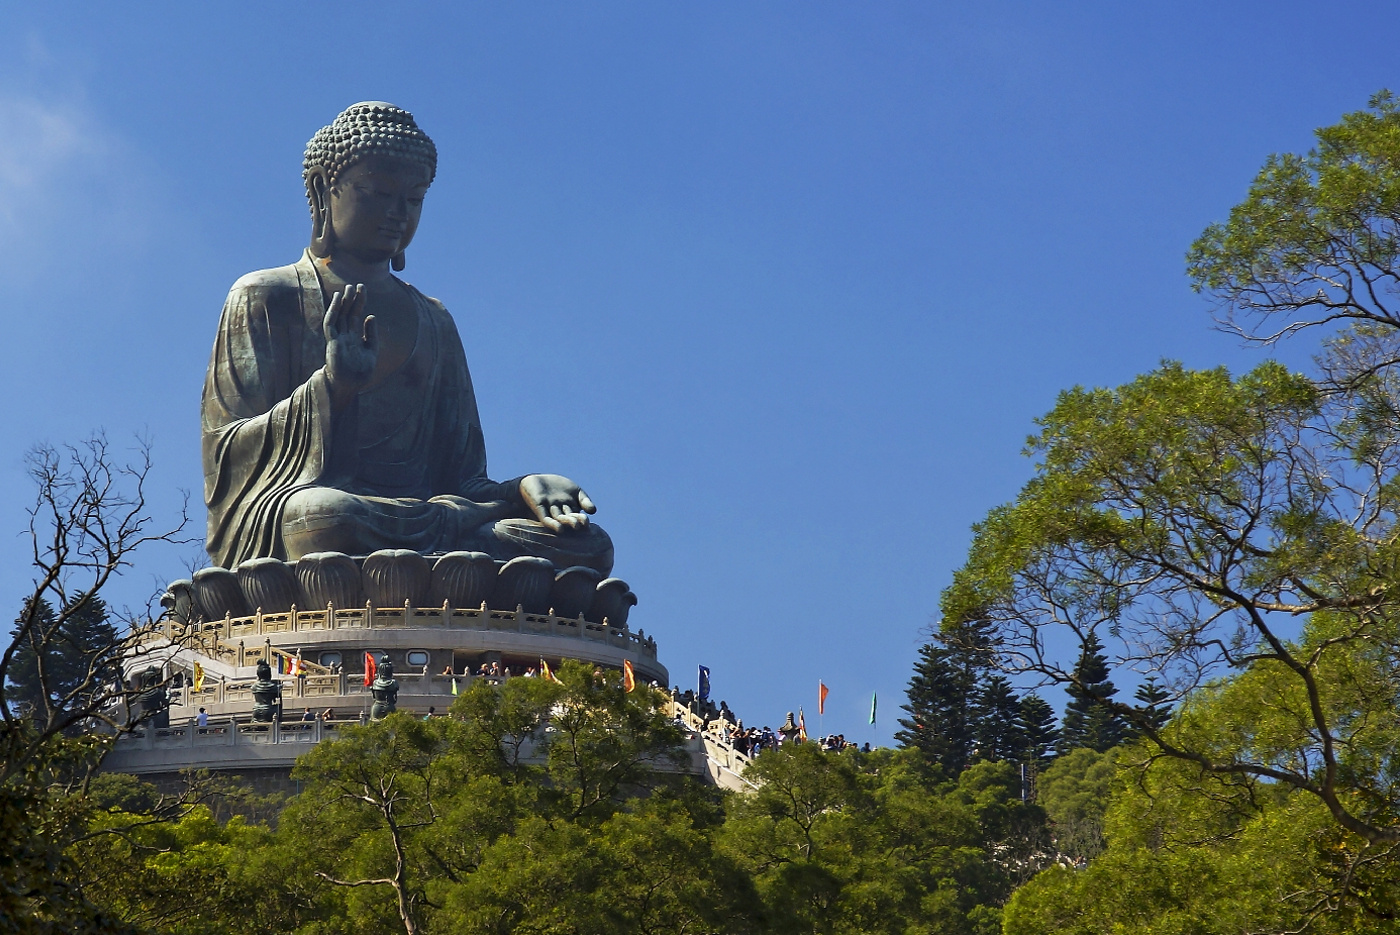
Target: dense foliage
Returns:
[544, 807]
[1234, 538]
[55, 659]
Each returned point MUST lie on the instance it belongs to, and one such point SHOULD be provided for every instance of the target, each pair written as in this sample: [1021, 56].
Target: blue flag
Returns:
[703, 684]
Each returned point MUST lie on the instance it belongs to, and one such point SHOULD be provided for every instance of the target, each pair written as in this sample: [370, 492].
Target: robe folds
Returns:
[269, 433]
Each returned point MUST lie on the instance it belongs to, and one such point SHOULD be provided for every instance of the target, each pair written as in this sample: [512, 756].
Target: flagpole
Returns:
[821, 709]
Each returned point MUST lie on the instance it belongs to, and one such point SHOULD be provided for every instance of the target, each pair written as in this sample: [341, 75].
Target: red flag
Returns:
[371, 670]
[629, 678]
[821, 696]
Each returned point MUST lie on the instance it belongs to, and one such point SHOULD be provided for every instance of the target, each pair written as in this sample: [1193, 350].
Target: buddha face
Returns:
[375, 206]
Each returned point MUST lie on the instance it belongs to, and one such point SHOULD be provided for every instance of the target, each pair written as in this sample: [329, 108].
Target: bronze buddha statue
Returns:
[338, 411]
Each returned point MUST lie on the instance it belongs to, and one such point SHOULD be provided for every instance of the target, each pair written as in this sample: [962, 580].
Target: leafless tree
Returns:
[89, 517]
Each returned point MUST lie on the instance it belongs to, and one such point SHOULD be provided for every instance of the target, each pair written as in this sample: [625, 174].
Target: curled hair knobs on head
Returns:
[370, 128]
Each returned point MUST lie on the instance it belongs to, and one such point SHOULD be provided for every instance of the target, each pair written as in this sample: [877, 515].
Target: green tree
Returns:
[1075, 792]
[647, 870]
[171, 867]
[943, 697]
[1190, 853]
[535, 806]
[938, 722]
[1236, 536]
[1121, 529]
[1316, 242]
[1154, 703]
[426, 825]
[55, 662]
[876, 843]
[997, 720]
[1038, 730]
[57, 678]
[1089, 720]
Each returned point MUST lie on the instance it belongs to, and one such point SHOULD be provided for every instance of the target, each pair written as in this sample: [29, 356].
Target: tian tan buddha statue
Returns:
[338, 411]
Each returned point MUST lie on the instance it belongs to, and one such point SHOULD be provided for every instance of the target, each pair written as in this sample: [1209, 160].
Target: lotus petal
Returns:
[393, 577]
[610, 602]
[180, 602]
[268, 583]
[573, 591]
[463, 579]
[524, 582]
[219, 594]
[329, 578]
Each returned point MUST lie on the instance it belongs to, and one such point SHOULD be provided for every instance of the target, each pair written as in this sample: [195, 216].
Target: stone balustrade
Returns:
[238, 743]
[219, 636]
[724, 764]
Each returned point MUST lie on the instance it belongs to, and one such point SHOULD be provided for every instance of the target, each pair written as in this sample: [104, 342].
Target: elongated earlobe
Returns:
[398, 262]
[322, 235]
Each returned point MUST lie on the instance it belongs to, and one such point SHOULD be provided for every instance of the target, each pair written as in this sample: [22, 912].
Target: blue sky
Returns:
[782, 285]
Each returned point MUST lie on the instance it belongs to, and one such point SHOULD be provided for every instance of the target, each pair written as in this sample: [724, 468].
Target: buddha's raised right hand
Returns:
[351, 350]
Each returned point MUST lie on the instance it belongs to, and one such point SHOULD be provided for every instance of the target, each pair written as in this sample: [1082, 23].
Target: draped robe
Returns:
[400, 459]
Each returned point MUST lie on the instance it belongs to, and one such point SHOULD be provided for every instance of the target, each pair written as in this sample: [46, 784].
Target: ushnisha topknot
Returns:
[370, 128]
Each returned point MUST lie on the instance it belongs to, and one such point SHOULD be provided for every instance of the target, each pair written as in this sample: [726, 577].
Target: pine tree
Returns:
[939, 723]
[1088, 722]
[942, 697]
[1154, 707]
[1038, 731]
[83, 650]
[996, 726]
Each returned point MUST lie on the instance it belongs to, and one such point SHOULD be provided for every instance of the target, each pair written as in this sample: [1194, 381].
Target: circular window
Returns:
[329, 659]
[417, 657]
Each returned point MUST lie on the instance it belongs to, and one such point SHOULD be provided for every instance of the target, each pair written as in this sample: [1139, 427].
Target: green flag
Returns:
[454, 686]
[873, 702]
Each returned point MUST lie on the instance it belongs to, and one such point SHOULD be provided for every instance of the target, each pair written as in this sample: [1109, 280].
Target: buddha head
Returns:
[366, 175]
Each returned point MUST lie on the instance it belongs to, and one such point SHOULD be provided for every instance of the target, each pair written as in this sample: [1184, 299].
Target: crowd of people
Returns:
[752, 741]
[721, 724]
[494, 670]
[716, 720]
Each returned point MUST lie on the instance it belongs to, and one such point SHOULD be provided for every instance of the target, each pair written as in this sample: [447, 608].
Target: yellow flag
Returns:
[198, 677]
[546, 674]
[629, 678]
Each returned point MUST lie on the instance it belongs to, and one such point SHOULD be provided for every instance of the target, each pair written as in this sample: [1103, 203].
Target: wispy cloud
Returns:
[45, 148]
[41, 142]
[63, 177]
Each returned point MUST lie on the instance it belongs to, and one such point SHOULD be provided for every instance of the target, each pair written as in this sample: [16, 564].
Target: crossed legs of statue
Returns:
[324, 519]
